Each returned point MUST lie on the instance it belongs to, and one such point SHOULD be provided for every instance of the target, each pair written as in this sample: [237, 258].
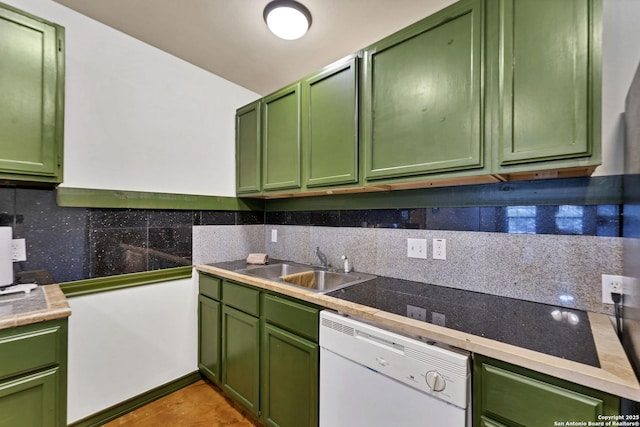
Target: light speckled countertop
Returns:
[615, 374]
[47, 303]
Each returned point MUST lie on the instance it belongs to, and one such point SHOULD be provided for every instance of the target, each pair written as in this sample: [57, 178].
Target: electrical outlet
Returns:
[438, 319]
[18, 250]
[274, 236]
[439, 248]
[417, 313]
[611, 283]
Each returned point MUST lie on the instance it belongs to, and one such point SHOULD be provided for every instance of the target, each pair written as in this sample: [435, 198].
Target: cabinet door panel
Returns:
[330, 119]
[209, 337]
[281, 139]
[248, 149]
[422, 96]
[30, 400]
[241, 356]
[29, 349]
[545, 83]
[290, 391]
[31, 87]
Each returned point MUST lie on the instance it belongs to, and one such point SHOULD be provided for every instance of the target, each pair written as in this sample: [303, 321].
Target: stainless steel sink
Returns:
[322, 281]
[274, 271]
[326, 281]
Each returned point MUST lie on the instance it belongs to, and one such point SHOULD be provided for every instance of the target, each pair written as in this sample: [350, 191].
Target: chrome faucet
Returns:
[322, 257]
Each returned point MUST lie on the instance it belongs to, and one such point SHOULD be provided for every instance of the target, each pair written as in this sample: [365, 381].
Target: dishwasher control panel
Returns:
[431, 369]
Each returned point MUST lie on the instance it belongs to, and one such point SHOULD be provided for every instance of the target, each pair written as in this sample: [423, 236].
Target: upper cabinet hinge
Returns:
[59, 45]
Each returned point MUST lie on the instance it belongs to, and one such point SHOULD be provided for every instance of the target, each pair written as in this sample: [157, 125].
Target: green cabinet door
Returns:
[544, 78]
[422, 96]
[32, 88]
[507, 395]
[330, 125]
[33, 374]
[281, 139]
[248, 149]
[241, 357]
[209, 338]
[31, 400]
[290, 379]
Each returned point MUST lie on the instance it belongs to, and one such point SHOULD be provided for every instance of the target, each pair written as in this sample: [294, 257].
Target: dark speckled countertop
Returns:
[557, 331]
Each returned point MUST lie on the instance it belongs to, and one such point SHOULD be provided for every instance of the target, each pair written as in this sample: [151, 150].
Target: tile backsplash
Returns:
[550, 253]
[82, 243]
[558, 270]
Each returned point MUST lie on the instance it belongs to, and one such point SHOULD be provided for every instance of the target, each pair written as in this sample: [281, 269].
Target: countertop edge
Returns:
[615, 376]
[57, 308]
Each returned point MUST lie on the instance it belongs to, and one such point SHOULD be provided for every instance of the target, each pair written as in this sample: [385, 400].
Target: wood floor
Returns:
[198, 405]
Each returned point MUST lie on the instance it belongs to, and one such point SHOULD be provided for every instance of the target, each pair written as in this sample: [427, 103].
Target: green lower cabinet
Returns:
[33, 375]
[269, 353]
[507, 395]
[31, 400]
[209, 338]
[289, 379]
[241, 357]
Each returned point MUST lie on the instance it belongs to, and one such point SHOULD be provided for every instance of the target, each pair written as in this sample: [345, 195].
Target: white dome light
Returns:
[288, 20]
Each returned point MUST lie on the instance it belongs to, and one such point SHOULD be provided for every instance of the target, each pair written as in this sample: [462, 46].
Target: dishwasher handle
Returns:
[380, 342]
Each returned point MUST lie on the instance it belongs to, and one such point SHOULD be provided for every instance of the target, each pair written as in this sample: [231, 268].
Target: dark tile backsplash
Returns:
[80, 243]
[598, 220]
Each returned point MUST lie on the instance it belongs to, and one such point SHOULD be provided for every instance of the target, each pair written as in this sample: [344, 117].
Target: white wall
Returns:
[620, 57]
[140, 119]
[126, 342]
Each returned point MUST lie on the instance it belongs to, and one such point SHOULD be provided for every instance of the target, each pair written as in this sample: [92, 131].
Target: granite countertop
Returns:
[44, 303]
[590, 355]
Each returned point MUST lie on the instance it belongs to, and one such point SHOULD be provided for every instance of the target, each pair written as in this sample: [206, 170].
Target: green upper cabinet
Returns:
[32, 101]
[248, 149]
[423, 96]
[330, 124]
[281, 139]
[544, 79]
[481, 91]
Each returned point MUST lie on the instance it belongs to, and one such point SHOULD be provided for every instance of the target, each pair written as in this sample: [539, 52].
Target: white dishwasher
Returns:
[373, 377]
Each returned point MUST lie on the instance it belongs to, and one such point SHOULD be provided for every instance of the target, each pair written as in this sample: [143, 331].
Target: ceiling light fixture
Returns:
[287, 19]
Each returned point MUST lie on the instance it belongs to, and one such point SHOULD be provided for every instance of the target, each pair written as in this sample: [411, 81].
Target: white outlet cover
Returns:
[18, 250]
[417, 248]
[608, 283]
[274, 236]
[439, 248]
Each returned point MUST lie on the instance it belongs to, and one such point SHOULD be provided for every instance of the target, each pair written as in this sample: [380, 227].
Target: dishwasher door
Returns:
[353, 394]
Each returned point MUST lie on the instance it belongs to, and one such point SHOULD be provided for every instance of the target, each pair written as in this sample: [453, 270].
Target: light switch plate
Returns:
[417, 248]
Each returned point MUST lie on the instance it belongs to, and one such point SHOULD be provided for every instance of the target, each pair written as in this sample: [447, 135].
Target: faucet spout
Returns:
[322, 257]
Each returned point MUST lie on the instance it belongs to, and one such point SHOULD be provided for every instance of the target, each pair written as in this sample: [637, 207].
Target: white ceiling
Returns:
[229, 37]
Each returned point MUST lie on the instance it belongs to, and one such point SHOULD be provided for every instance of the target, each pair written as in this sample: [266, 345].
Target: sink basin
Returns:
[274, 271]
[325, 281]
[305, 276]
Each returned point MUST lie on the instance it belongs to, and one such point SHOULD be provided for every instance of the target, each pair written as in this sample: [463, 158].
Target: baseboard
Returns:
[115, 411]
